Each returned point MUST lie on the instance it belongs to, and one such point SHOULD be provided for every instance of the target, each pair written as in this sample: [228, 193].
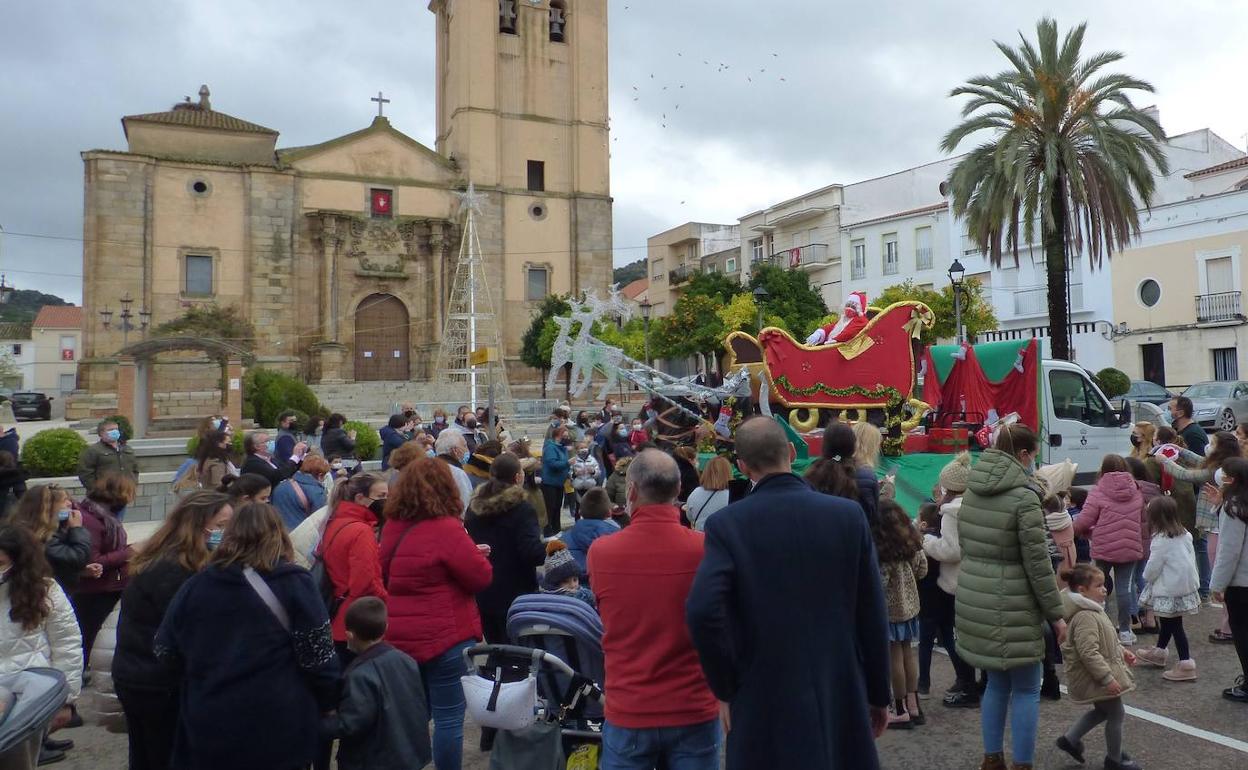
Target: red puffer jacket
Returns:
[351, 559]
[1114, 514]
[434, 571]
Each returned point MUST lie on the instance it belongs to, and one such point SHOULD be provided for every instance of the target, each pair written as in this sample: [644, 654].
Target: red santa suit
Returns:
[852, 321]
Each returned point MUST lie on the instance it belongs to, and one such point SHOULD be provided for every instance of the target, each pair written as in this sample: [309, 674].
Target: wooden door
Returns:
[382, 349]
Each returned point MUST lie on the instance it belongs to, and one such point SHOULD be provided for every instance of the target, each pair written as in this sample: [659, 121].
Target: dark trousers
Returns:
[1237, 616]
[553, 497]
[151, 721]
[92, 610]
[936, 622]
[1168, 628]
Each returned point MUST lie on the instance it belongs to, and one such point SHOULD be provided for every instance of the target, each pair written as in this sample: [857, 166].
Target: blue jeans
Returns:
[1205, 570]
[692, 747]
[446, 705]
[1122, 595]
[1139, 587]
[1016, 691]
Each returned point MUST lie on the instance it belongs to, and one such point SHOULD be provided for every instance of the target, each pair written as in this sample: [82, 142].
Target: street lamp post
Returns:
[957, 274]
[645, 318]
[126, 315]
[760, 296]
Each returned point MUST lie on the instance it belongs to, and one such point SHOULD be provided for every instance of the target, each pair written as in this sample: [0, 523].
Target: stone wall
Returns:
[276, 299]
[155, 496]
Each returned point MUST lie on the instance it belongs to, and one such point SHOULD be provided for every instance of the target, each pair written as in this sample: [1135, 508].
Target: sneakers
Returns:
[1184, 671]
[925, 690]
[993, 762]
[1127, 638]
[1126, 763]
[1151, 656]
[1236, 693]
[1075, 749]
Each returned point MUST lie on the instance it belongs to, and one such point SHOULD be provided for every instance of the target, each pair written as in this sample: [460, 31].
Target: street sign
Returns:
[482, 356]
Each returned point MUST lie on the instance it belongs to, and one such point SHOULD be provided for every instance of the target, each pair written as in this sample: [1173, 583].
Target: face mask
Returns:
[636, 426]
[465, 457]
[214, 538]
[63, 515]
[418, 426]
[270, 446]
[216, 425]
[113, 435]
[430, 453]
[583, 454]
[1219, 478]
[336, 467]
[377, 507]
[555, 423]
[1135, 440]
[623, 432]
[439, 420]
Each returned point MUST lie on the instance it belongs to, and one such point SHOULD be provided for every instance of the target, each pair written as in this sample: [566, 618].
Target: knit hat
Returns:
[955, 475]
[559, 565]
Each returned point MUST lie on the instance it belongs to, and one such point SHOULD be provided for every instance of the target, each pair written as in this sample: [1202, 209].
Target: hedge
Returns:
[53, 452]
[367, 441]
[266, 394]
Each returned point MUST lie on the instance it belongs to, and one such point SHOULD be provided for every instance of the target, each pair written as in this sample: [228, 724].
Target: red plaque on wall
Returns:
[67, 354]
[382, 202]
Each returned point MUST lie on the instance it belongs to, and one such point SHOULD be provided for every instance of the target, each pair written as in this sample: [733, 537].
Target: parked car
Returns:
[35, 406]
[1151, 392]
[1219, 405]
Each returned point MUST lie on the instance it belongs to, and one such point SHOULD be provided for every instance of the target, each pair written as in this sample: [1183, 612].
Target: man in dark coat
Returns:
[262, 462]
[788, 617]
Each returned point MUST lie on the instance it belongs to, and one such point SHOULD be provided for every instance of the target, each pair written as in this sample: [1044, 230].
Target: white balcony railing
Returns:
[923, 258]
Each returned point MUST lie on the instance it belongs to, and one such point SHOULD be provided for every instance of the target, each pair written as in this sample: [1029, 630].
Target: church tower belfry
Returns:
[522, 110]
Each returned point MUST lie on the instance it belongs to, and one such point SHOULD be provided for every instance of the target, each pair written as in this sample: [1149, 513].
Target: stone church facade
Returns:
[342, 254]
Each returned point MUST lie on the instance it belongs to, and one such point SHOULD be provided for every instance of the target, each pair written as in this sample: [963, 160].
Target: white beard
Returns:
[840, 326]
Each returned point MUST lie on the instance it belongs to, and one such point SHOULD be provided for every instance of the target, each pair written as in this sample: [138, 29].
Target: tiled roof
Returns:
[1227, 166]
[14, 331]
[59, 317]
[634, 289]
[194, 117]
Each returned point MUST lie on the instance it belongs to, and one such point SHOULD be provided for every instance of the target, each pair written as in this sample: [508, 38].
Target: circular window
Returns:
[199, 187]
[1150, 292]
[538, 211]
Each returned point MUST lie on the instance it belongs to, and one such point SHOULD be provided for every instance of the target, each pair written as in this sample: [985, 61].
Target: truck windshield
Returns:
[1074, 398]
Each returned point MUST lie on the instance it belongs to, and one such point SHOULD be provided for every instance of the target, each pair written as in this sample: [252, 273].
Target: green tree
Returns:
[977, 312]
[532, 352]
[693, 328]
[1069, 151]
[790, 297]
[631, 337]
[223, 323]
[717, 286]
[740, 314]
[623, 276]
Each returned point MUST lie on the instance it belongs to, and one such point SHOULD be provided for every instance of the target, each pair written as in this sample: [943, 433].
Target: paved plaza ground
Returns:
[1170, 725]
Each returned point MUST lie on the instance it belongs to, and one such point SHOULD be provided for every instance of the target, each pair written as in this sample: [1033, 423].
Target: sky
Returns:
[717, 109]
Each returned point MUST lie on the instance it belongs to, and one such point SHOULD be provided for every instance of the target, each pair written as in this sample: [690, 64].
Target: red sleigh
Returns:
[873, 370]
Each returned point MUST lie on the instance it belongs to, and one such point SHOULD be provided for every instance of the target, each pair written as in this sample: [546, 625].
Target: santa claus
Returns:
[853, 320]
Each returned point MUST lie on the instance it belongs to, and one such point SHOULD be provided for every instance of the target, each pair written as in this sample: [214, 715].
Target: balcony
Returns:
[799, 256]
[681, 274]
[923, 258]
[1218, 308]
[1035, 302]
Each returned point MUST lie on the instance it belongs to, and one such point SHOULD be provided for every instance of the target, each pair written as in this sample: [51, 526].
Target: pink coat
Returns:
[1114, 515]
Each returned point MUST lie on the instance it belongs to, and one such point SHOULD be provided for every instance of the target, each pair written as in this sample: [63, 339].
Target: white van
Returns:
[1077, 421]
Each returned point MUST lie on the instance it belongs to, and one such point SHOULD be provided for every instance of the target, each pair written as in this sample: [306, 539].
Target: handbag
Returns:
[499, 704]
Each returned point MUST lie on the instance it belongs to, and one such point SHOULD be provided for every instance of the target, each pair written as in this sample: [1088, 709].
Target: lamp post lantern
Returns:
[126, 315]
[957, 276]
[760, 296]
[645, 318]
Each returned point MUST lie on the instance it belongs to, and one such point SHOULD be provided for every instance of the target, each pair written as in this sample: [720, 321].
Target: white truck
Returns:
[1077, 420]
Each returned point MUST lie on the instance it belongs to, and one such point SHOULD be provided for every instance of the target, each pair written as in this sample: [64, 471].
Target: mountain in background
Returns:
[24, 304]
[625, 275]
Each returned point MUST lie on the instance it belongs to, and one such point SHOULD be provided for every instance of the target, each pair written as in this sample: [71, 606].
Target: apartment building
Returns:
[798, 234]
[675, 256]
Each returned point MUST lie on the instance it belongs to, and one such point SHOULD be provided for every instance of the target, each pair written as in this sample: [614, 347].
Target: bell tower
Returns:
[522, 109]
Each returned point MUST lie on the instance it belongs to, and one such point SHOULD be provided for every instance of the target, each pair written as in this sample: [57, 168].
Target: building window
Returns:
[712, 268]
[507, 16]
[657, 271]
[381, 203]
[1150, 292]
[1225, 364]
[537, 284]
[198, 279]
[558, 21]
[858, 269]
[756, 249]
[199, 188]
[923, 248]
[730, 265]
[69, 347]
[537, 175]
[17, 349]
[892, 261]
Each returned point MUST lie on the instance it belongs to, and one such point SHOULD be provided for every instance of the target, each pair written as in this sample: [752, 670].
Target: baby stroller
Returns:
[28, 701]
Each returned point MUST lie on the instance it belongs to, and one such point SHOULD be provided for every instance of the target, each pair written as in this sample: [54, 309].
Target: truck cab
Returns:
[1078, 422]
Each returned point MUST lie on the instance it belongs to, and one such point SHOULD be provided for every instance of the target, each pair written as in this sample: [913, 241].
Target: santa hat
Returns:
[857, 301]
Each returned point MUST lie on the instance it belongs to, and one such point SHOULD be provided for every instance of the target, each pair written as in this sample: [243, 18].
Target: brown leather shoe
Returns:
[993, 762]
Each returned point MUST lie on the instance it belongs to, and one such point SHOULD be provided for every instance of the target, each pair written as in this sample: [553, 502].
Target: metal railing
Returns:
[681, 274]
[1223, 306]
[812, 254]
[923, 258]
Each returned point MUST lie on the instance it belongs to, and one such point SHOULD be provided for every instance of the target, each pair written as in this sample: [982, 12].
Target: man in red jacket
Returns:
[660, 711]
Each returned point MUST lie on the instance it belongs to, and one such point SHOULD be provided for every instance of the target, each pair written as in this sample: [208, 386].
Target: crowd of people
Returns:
[291, 601]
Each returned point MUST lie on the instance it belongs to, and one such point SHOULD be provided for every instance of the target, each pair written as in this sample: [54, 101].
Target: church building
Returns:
[342, 254]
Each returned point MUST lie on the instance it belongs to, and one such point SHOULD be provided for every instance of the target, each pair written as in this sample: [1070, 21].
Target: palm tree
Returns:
[1070, 151]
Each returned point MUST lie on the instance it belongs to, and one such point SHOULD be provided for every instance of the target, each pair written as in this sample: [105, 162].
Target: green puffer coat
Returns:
[1006, 589]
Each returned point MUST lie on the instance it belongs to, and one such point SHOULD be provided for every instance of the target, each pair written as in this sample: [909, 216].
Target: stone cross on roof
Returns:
[381, 103]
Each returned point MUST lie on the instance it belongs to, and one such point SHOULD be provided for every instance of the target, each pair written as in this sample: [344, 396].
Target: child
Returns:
[1083, 549]
[584, 476]
[930, 599]
[902, 564]
[1113, 517]
[638, 435]
[1096, 666]
[594, 523]
[561, 575]
[1060, 533]
[383, 713]
[1142, 620]
[1171, 588]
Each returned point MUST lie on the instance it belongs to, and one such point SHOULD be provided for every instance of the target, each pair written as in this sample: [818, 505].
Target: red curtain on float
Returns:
[1018, 391]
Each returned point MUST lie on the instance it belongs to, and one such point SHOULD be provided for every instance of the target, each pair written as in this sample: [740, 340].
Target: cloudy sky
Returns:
[777, 97]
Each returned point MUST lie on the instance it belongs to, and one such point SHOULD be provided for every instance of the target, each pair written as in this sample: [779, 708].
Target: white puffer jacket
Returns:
[55, 644]
[947, 549]
[1171, 569]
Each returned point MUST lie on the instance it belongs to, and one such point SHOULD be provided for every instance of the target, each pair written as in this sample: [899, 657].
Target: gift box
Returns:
[948, 440]
[915, 443]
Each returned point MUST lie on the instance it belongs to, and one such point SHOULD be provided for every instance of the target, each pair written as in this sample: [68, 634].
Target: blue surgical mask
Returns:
[623, 431]
[63, 515]
[430, 453]
[466, 457]
[270, 446]
[214, 538]
[113, 435]
[216, 425]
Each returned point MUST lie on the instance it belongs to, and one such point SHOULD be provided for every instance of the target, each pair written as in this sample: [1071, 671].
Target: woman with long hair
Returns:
[1143, 434]
[836, 472]
[48, 513]
[337, 441]
[1203, 520]
[349, 548]
[179, 549]
[247, 488]
[432, 571]
[555, 469]
[213, 460]
[247, 639]
[711, 493]
[1006, 592]
[105, 576]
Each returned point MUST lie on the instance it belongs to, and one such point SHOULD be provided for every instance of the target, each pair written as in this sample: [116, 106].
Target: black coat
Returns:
[251, 692]
[275, 475]
[143, 607]
[12, 486]
[383, 719]
[508, 524]
[68, 552]
[689, 480]
[336, 443]
[788, 617]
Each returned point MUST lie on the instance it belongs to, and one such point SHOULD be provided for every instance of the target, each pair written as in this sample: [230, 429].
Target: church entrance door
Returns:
[382, 349]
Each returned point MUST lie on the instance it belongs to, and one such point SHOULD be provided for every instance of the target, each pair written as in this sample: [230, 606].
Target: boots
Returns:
[993, 762]
[1051, 686]
[1183, 671]
[1151, 656]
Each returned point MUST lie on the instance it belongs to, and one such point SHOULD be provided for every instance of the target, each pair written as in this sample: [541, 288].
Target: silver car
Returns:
[1219, 405]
